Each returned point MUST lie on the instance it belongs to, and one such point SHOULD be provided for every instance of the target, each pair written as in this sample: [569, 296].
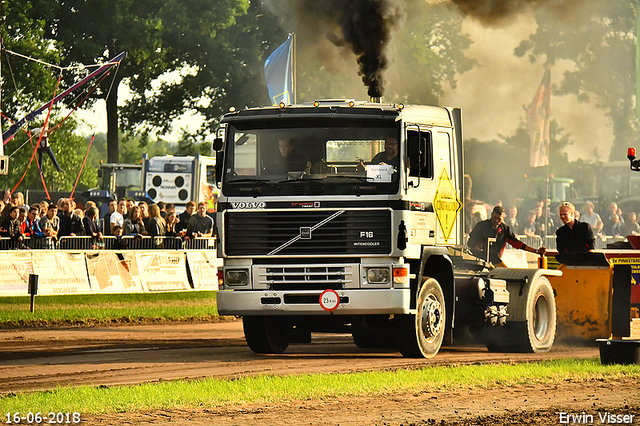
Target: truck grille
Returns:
[303, 233]
[297, 277]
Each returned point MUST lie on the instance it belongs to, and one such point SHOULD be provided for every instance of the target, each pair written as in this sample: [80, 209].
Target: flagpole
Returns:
[294, 60]
[546, 198]
[546, 206]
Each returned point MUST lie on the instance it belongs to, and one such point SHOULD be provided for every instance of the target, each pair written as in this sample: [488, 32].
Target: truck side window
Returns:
[420, 154]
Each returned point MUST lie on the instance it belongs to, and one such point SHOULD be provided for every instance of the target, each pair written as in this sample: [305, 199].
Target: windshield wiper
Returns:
[254, 180]
[360, 178]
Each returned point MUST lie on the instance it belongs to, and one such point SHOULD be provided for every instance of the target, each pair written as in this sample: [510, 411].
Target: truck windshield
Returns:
[312, 156]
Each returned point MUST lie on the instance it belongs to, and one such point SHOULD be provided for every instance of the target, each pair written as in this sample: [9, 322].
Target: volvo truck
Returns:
[344, 216]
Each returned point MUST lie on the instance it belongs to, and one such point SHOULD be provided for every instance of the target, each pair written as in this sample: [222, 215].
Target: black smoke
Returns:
[366, 28]
[363, 26]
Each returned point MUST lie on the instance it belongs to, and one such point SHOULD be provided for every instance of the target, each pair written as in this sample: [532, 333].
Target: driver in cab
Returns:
[293, 161]
[389, 155]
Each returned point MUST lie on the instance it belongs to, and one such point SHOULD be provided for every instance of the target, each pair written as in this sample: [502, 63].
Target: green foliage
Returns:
[600, 38]
[68, 148]
[430, 54]
[26, 84]
[216, 49]
[132, 147]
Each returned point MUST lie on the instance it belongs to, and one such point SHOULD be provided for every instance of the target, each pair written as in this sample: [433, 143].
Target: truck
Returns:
[180, 179]
[120, 179]
[619, 184]
[348, 246]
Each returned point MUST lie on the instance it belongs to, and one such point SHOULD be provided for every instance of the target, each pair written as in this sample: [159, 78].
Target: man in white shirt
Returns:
[592, 218]
[117, 217]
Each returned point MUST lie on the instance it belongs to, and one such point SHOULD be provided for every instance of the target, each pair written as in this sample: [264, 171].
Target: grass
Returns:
[184, 306]
[273, 389]
[94, 309]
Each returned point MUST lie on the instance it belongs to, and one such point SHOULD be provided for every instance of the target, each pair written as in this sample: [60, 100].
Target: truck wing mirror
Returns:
[219, 166]
[217, 144]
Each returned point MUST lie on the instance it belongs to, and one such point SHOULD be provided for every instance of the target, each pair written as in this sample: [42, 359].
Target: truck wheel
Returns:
[420, 335]
[267, 334]
[537, 333]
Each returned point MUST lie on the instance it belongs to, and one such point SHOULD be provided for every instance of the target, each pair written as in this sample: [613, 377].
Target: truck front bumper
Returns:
[352, 302]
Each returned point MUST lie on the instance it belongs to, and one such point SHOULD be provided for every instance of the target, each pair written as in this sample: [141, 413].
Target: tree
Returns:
[498, 168]
[600, 38]
[68, 148]
[26, 84]
[430, 54]
[183, 55]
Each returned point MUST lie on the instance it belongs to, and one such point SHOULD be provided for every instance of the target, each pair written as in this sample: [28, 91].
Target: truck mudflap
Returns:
[351, 302]
[531, 321]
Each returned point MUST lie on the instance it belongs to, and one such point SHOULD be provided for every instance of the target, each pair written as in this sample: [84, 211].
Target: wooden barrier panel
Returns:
[60, 272]
[203, 266]
[106, 271]
[162, 271]
[113, 272]
[15, 267]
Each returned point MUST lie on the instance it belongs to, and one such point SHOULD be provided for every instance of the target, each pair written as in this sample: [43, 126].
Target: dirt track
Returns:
[44, 359]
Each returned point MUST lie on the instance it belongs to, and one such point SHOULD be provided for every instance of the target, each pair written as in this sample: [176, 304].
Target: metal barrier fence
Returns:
[201, 244]
[111, 243]
[176, 243]
[550, 241]
[75, 243]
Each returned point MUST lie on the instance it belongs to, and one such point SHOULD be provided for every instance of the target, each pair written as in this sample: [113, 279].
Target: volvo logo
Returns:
[249, 205]
[305, 233]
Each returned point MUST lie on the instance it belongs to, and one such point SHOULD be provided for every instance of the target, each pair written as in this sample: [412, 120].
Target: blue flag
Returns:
[278, 71]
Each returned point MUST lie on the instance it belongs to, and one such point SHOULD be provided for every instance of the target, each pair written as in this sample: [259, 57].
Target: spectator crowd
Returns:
[46, 223]
[614, 223]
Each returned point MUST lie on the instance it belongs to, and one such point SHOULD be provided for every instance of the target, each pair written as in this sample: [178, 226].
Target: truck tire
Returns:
[421, 335]
[537, 333]
[267, 334]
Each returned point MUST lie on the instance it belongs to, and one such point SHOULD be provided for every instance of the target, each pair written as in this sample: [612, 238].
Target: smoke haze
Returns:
[493, 12]
[362, 26]
[332, 36]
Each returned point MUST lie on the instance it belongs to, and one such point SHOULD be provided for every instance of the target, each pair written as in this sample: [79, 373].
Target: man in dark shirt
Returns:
[200, 224]
[181, 226]
[113, 205]
[291, 160]
[574, 236]
[496, 228]
[389, 155]
[65, 217]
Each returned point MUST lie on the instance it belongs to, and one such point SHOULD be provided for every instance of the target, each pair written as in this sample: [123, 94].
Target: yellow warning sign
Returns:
[446, 204]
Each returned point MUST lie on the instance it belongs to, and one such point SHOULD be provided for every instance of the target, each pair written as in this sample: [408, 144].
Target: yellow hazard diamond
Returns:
[446, 205]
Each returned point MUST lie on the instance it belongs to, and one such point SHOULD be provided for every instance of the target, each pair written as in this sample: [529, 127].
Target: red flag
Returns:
[538, 116]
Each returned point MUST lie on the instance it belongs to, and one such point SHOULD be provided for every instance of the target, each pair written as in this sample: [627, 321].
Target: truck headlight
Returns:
[378, 275]
[237, 277]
